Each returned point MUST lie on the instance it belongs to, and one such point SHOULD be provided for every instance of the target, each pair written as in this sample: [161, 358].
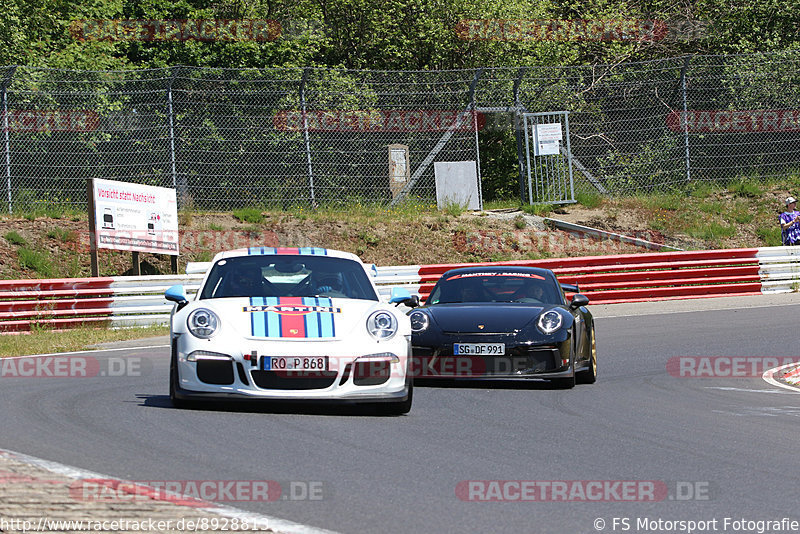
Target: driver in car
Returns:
[247, 282]
[324, 282]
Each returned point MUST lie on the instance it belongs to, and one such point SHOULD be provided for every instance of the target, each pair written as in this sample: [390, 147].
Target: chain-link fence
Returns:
[227, 138]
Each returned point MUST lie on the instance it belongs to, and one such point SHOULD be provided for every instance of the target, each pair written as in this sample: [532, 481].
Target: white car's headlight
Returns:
[419, 321]
[549, 322]
[382, 325]
[202, 323]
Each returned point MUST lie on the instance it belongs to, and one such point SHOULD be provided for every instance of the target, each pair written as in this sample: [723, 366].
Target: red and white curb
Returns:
[264, 521]
[788, 379]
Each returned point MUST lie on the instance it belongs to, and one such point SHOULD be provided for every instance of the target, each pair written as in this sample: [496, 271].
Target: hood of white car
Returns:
[290, 317]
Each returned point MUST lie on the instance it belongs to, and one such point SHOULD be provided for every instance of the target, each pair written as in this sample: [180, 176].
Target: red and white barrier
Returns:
[70, 302]
[139, 300]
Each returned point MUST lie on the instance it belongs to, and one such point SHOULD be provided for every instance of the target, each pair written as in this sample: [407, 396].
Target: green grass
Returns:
[500, 204]
[590, 200]
[746, 189]
[249, 215]
[519, 222]
[369, 239]
[36, 261]
[15, 239]
[185, 218]
[715, 208]
[454, 210]
[670, 202]
[51, 211]
[712, 230]
[540, 210]
[45, 341]
[701, 190]
[771, 235]
[743, 217]
[65, 236]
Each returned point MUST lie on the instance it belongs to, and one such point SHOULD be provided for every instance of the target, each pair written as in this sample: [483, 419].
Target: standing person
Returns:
[790, 223]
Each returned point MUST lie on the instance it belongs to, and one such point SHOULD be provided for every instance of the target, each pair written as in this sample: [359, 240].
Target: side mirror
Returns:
[570, 288]
[578, 300]
[177, 295]
[403, 296]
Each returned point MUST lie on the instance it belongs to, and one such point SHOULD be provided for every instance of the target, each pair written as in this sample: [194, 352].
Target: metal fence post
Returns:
[305, 136]
[473, 90]
[180, 187]
[519, 109]
[684, 116]
[6, 136]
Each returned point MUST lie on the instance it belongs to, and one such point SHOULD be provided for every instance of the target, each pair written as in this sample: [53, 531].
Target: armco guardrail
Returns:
[139, 300]
[643, 277]
[66, 303]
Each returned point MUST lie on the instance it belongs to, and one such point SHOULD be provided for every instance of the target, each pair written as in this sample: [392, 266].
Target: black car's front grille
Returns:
[293, 380]
[518, 361]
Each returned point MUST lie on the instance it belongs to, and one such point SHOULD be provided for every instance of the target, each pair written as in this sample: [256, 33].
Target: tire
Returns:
[398, 408]
[589, 376]
[173, 384]
[563, 383]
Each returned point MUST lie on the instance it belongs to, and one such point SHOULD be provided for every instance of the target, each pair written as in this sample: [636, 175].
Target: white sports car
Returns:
[291, 324]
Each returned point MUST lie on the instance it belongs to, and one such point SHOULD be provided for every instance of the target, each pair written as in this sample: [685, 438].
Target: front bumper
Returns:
[366, 372]
[522, 360]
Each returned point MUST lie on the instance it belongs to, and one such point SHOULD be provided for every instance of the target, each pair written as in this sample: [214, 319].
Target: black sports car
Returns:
[504, 322]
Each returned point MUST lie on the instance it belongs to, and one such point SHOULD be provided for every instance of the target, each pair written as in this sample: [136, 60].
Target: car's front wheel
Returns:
[563, 383]
[398, 408]
[589, 376]
[173, 384]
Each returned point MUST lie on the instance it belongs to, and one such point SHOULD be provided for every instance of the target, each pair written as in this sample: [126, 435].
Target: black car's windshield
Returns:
[288, 276]
[521, 287]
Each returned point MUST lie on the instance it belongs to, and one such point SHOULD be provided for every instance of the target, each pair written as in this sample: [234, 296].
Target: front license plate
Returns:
[479, 349]
[294, 363]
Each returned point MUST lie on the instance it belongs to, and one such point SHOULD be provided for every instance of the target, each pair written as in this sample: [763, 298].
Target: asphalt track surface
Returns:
[713, 448]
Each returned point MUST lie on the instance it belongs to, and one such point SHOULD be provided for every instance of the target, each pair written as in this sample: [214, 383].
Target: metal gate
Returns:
[548, 158]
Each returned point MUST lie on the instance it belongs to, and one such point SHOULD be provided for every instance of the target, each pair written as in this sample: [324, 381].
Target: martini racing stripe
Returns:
[319, 324]
[292, 325]
[292, 317]
[308, 251]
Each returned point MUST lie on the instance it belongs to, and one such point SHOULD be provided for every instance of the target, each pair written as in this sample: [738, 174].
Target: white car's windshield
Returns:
[288, 276]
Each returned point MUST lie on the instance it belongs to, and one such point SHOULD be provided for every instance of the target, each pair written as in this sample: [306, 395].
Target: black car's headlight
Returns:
[549, 322]
[382, 325]
[202, 323]
[419, 321]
